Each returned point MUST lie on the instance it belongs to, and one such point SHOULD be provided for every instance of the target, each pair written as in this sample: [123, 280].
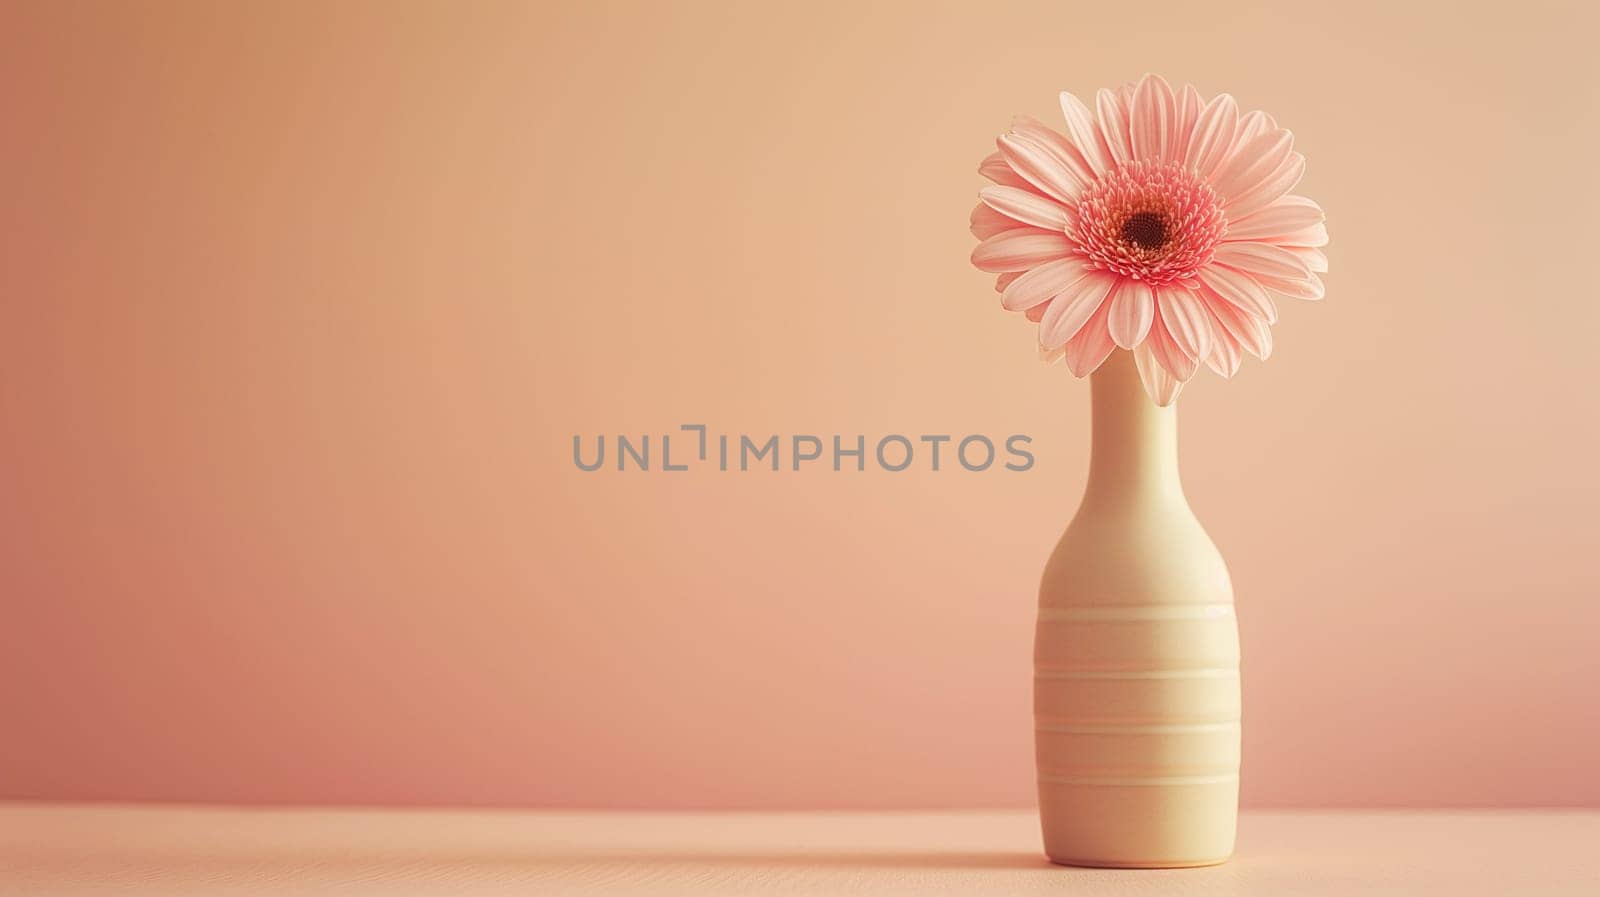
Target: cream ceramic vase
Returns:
[1136, 657]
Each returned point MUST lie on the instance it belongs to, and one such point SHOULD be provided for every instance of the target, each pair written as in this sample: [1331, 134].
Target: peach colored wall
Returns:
[302, 304]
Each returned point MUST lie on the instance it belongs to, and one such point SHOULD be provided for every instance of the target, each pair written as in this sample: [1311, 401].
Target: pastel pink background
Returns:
[302, 304]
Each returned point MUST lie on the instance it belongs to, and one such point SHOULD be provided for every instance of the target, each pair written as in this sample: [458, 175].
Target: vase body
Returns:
[1136, 657]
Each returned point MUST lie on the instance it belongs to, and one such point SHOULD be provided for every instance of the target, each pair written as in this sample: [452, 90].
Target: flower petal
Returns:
[1315, 235]
[1112, 116]
[1315, 259]
[1083, 133]
[1251, 332]
[1262, 259]
[1252, 125]
[1092, 344]
[1039, 167]
[1189, 107]
[1308, 287]
[1042, 283]
[1153, 119]
[1051, 356]
[1284, 215]
[1213, 135]
[1026, 207]
[1058, 146]
[1019, 250]
[986, 222]
[994, 168]
[1073, 307]
[1249, 164]
[1277, 184]
[1162, 387]
[1004, 280]
[1235, 287]
[1132, 309]
[1036, 314]
[1225, 354]
[1167, 352]
[1185, 320]
[1272, 267]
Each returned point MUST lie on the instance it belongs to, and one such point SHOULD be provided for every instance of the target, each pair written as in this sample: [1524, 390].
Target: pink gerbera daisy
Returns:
[1158, 223]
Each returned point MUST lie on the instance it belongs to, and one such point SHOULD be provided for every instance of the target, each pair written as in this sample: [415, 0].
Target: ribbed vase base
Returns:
[1159, 823]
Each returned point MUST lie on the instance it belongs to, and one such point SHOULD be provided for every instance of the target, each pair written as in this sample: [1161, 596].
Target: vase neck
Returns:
[1134, 452]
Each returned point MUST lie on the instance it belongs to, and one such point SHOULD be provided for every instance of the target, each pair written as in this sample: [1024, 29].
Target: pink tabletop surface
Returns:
[60, 850]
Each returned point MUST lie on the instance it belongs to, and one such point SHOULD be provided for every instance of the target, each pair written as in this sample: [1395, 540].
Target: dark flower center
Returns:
[1146, 230]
